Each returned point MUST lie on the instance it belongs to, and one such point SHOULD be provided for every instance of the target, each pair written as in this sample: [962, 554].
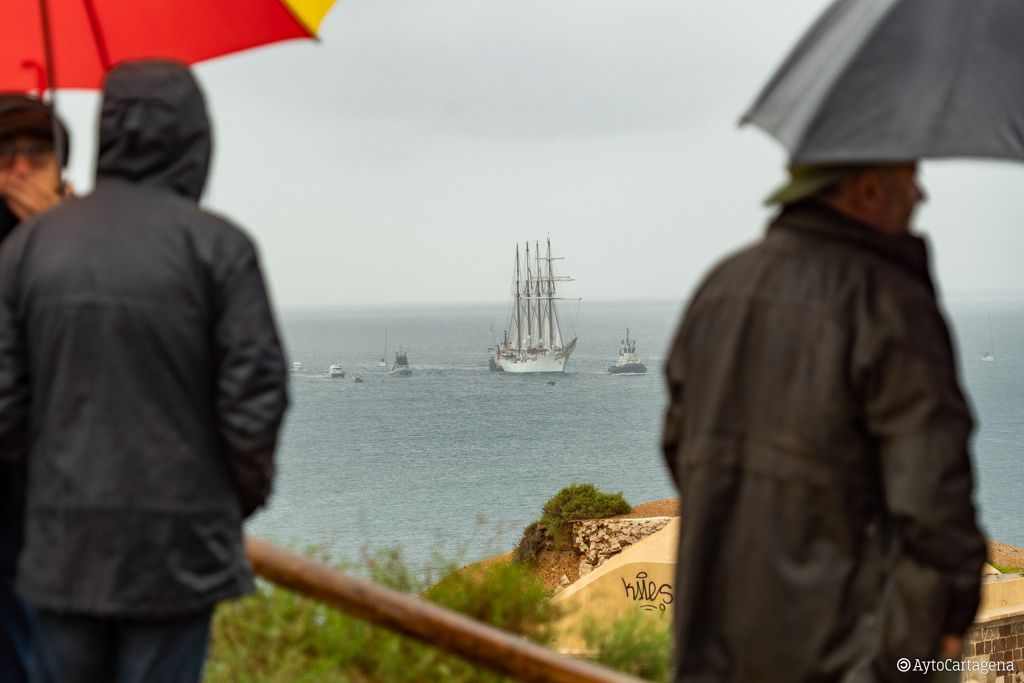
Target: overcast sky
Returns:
[399, 160]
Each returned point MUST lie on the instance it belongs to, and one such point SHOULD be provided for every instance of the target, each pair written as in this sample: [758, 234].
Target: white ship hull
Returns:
[544, 363]
[537, 364]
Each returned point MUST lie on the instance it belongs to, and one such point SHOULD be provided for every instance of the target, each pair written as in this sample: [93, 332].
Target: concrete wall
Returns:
[640, 578]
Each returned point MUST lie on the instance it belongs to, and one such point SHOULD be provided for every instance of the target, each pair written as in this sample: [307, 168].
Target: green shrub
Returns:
[504, 594]
[533, 540]
[581, 501]
[639, 644]
[275, 636]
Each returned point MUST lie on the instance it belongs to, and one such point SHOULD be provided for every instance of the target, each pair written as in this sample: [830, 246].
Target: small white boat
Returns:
[335, 370]
[297, 365]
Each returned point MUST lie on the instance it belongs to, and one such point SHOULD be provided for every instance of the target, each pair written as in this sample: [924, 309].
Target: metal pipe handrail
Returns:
[442, 628]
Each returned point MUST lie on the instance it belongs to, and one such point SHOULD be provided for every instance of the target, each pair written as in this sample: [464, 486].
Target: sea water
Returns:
[457, 459]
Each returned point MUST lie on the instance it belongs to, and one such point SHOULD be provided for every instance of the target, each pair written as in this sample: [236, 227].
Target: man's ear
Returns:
[869, 191]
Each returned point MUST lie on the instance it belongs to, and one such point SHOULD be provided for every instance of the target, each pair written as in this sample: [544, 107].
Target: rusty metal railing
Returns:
[431, 624]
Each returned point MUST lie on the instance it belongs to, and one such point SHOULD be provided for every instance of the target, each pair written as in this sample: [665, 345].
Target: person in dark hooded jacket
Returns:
[30, 183]
[143, 383]
[818, 436]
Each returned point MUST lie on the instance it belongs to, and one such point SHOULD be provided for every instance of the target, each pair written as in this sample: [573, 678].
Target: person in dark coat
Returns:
[818, 436]
[143, 382]
[30, 183]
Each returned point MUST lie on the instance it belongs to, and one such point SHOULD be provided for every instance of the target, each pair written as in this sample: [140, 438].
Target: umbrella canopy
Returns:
[897, 80]
[87, 37]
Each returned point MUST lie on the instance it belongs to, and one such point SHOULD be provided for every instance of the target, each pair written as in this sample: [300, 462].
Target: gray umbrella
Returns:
[895, 80]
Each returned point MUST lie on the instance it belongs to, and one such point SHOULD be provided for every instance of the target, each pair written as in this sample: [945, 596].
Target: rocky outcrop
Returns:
[598, 539]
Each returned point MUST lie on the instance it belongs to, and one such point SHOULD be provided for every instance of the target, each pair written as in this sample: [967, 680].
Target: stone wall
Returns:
[993, 642]
[599, 539]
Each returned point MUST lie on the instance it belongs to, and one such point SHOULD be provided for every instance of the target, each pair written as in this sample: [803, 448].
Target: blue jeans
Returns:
[15, 634]
[78, 649]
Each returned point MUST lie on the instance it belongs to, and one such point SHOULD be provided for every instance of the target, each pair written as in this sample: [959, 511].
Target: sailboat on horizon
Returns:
[383, 362]
[989, 356]
[533, 342]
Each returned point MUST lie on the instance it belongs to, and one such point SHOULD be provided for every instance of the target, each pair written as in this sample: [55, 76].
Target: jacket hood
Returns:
[154, 129]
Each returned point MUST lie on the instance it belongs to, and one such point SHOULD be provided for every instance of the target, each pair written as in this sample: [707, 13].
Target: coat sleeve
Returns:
[251, 384]
[14, 386]
[916, 412]
[672, 430]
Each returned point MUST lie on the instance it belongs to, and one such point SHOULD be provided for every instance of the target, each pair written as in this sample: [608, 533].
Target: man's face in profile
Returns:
[904, 193]
[29, 175]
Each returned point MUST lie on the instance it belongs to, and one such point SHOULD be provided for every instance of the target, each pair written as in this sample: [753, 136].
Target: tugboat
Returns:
[492, 357]
[401, 367]
[491, 362]
[628, 363]
[335, 370]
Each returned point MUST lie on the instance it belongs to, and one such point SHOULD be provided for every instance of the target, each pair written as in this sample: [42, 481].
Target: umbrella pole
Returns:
[51, 83]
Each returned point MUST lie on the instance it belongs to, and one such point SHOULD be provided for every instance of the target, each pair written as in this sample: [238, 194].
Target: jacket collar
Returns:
[823, 222]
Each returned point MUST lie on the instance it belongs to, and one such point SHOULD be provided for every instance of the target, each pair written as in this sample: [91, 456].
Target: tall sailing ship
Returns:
[533, 341]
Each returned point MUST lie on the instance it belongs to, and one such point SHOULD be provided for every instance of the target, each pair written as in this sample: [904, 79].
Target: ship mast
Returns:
[540, 317]
[529, 309]
[519, 310]
[551, 307]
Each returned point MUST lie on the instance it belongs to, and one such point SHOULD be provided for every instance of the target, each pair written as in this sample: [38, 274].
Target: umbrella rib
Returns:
[51, 77]
[51, 70]
[97, 34]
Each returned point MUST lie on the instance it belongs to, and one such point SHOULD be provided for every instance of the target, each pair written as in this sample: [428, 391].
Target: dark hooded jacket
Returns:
[12, 476]
[819, 440]
[19, 115]
[140, 371]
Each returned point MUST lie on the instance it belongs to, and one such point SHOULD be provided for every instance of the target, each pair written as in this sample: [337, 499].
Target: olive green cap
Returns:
[807, 181]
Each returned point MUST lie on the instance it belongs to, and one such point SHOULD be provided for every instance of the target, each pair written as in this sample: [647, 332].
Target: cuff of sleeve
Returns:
[963, 608]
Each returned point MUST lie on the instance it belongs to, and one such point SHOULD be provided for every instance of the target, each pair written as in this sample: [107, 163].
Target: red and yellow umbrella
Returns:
[72, 43]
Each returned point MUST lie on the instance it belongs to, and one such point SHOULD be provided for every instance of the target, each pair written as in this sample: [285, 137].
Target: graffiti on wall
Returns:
[651, 596]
